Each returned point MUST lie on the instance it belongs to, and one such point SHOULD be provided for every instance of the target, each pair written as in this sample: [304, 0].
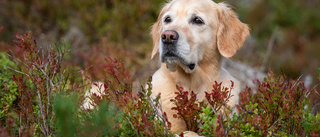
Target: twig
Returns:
[42, 113]
[38, 119]
[77, 71]
[15, 62]
[270, 45]
[16, 70]
[214, 111]
[44, 73]
[157, 109]
[53, 115]
[48, 97]
[296, 81]
[273, 124]
[222, 126]
[20, 125]
[15, 58]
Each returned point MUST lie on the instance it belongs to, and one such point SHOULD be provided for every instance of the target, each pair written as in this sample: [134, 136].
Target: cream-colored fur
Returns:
[203, 45]
[96, 88]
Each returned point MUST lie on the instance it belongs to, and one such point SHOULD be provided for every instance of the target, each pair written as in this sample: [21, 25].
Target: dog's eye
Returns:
[167, 20]
[198, 21]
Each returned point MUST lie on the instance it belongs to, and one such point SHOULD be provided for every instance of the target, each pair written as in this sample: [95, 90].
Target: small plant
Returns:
[35, 80]
[214, 114]
[195, 114]
[41, 77]
[188, 109]
[276, 109]
[278, 105]
[219, 96]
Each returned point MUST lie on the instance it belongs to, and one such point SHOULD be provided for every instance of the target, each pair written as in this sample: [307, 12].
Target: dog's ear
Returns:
[156, 31]
[231, 31]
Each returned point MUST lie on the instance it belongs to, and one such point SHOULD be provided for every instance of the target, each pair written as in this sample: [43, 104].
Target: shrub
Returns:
[8, 88]
[188, 109]
[34, 81]
[39, 98]
[40, 79]
[217, 111]
[141, 114]
[277, 108]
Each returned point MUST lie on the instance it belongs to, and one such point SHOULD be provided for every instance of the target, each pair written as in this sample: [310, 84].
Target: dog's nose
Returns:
[169, 37]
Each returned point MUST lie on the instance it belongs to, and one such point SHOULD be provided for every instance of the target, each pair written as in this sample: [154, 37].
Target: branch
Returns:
[15, 58]
[157, 109]
[16, 70]
[273, 124]
[45, 74]
[270, 45]
[214, 111]
[296, 82]
[42, 113]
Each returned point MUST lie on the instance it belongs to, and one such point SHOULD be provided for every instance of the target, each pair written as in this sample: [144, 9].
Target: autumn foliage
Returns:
[40, 97]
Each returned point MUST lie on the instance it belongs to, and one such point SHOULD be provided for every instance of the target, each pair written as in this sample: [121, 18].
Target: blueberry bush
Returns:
[41, 95]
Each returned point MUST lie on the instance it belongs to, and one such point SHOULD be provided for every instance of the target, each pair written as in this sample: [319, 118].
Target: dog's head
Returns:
[186, 29]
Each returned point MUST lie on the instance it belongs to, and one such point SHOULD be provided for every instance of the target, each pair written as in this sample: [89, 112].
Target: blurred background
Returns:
[285, 35]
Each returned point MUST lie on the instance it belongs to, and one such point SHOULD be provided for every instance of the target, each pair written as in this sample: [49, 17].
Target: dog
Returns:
[191, 37]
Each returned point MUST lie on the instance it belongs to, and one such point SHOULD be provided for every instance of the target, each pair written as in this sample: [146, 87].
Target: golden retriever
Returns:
[191, 37]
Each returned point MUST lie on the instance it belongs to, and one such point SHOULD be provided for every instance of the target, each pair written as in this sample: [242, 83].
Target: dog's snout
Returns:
[169, 36]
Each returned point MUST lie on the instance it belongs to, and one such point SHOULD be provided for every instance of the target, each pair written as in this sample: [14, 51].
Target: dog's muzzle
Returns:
[169, 39]
[170, 56]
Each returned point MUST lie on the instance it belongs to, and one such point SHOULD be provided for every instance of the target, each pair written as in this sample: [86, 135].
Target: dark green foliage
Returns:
[66, 113]
[71, 120]
[8, 88]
